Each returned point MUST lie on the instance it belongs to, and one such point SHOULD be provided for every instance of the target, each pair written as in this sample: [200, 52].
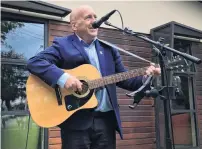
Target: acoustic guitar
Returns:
[42, 100]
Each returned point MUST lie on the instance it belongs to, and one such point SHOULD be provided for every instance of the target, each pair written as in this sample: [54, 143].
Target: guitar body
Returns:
[42, 100]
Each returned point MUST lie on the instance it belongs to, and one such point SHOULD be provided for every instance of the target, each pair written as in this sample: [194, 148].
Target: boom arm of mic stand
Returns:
[122, 50]
[130, 32]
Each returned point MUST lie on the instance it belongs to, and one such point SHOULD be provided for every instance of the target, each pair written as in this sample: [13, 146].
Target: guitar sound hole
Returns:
[85, 88]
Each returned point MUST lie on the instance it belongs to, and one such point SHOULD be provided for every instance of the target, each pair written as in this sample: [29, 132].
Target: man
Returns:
[86, 129]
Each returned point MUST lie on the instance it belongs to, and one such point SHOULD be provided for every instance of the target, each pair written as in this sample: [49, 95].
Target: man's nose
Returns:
[93, 20]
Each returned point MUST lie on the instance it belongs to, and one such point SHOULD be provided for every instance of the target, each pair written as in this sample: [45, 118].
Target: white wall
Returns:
[141, 16]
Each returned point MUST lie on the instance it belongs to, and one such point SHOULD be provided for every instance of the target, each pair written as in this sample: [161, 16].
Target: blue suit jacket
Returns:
[67, 53]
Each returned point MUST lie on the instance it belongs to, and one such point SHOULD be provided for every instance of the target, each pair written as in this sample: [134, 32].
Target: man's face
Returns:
[83, 24]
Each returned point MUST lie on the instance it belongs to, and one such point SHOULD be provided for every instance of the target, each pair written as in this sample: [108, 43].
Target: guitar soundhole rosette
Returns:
[85, 90]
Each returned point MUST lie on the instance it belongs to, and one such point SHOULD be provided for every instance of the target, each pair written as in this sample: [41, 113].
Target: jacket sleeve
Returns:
[46, 64]
[130, 84]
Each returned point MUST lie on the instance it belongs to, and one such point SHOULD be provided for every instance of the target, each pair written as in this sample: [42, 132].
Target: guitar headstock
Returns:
[178, 64]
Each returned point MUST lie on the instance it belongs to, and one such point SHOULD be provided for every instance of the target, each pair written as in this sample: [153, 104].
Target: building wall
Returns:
[197, 51]
[138, 124]
[141, 16]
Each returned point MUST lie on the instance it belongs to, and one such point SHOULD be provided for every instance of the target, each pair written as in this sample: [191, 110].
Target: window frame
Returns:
[7, 16]
[190, 74]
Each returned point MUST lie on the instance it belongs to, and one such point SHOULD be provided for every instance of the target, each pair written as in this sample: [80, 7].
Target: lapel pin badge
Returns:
[101, 52]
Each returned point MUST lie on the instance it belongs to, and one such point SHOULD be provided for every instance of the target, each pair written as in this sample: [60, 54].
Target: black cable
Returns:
[121, 20]
[27, 132]
[123, 28]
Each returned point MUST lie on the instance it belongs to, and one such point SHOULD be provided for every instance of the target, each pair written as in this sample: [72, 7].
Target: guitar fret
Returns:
[142, 70]
[116, 78]
[89, 84]
[104, 82]
[136, 72]
[121, 77]
[110, 80]
[107, 82]
[100, 82]
[125, 76]
[96, 83]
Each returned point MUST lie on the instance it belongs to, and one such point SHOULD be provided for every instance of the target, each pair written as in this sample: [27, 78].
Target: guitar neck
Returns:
[93, 84]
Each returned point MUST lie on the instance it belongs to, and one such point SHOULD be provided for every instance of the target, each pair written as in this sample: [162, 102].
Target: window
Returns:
[20, 40]
[183, 106]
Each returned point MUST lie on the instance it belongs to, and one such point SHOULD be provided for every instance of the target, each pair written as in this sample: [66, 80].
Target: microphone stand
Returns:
[166, 101]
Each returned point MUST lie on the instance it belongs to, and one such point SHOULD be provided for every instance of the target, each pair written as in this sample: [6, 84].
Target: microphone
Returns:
[97, 23]
[152, 93]
[140, 95]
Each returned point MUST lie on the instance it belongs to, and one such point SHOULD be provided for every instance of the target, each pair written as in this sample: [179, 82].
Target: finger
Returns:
[74, 87]
[67, 86]
[157, 71]
[148, 72]
[151, 70]
[79, 85]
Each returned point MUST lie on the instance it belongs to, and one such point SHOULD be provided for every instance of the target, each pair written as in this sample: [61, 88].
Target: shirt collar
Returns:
[84, 43]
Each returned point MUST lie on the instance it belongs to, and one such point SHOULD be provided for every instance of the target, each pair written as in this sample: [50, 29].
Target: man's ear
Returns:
[74, 26]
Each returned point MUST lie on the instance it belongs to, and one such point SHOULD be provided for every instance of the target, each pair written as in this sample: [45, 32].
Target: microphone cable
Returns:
[123, 28]
[121, 20]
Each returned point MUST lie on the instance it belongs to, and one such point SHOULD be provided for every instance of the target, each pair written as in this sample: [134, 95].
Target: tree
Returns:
[8, 26]
[13, 79]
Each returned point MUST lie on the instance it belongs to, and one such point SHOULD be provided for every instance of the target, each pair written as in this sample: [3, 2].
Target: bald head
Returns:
[81, 20]
[78, 12]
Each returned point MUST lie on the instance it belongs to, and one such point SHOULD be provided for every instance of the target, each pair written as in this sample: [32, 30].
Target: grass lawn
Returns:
[14, 133]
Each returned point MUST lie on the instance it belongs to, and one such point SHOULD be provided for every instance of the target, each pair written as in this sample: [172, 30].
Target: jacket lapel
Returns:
[77, 44]
[101, 56]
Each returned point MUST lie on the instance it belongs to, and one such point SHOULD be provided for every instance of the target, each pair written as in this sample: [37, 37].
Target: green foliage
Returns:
[13, 79]
[11, 54]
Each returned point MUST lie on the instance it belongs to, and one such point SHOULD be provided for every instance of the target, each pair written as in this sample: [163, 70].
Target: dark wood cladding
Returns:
[138, 125]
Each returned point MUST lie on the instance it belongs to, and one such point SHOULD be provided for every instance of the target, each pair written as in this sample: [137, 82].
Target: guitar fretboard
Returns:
[116, 78]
